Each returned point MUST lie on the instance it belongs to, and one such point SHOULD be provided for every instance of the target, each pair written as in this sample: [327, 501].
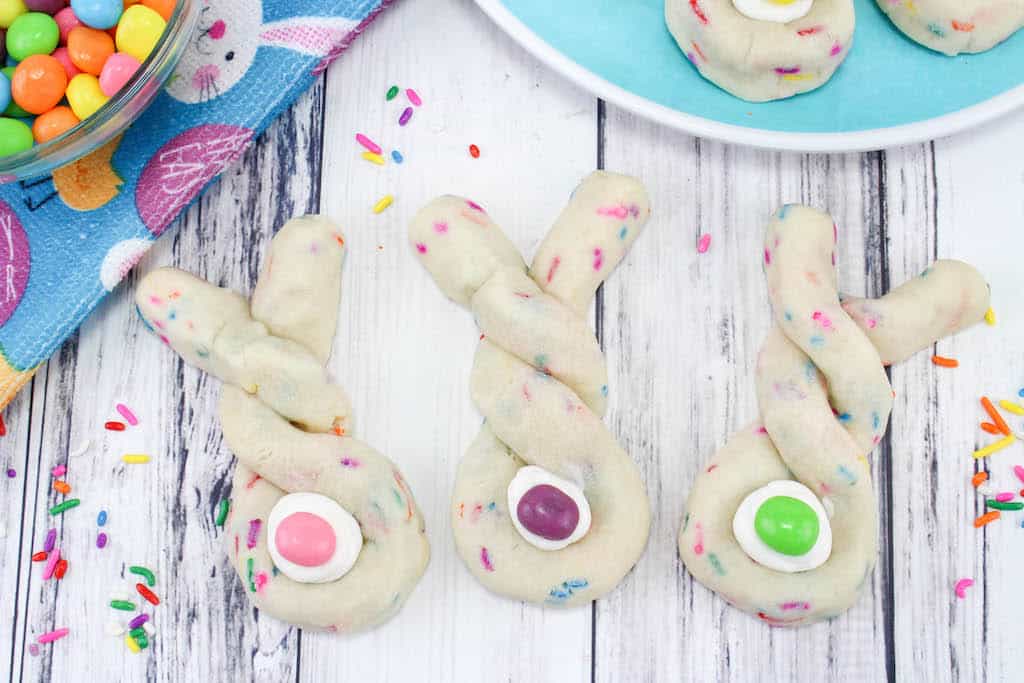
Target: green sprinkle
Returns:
[123, 605]
[144, 573]
[222, 512]
[716, 564]
[249, 565]
[392, 92]
[136, 633]
[66, 505]
[996, 505]
[142, 641]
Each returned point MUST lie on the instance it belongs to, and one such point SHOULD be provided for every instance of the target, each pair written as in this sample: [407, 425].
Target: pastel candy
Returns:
[305, 539]
[548, 512]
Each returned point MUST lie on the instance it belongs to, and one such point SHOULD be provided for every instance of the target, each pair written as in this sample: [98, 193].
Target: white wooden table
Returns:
[681, 331]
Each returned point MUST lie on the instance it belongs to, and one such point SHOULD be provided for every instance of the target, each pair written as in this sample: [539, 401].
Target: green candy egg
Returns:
[787, 525]
[33, 33]
[13, 109]
[15, 137]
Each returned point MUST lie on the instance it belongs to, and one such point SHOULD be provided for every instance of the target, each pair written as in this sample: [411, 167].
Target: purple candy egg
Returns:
[548, 512]
[50, 7]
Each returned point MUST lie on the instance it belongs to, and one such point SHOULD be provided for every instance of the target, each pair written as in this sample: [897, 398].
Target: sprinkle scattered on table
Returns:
[961, 587]
[383, 203]
[704, 243]
[474, 151]
[944, 362]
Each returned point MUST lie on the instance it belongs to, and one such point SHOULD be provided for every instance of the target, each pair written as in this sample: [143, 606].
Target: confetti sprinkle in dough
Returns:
[759, 60]
[540, 380]
[955, 26]
[818, 342]
[271, 357]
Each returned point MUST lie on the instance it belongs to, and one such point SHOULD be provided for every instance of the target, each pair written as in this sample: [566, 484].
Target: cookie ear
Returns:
[324, 37]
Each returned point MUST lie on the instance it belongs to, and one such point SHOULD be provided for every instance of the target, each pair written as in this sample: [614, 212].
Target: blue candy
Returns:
[5, 92]
[102, 14]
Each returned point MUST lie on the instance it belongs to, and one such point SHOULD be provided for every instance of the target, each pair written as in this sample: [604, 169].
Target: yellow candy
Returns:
[11, 10]
[138, 31]
[84, 95]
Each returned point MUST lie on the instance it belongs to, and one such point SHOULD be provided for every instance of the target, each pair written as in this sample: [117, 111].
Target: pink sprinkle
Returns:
[703, 244]
[795, 605]
[836, 49]
[823, 320]
[254, 532]
[33, 650]
[809, 31]
[619, 211]
[767, 257]
[698, 547]
[368, 143]
[787, 70]
[761, 430]
[420, 247]
[413, 96]
[961, 587]
[473, 205]
[1019, 471]
[711, 468]
[58, 470]
[598, 259]
[440, 227]
[349, 462]
[1004, 497]
[406, 115]
[155, 300]
[165, 340]
[127, 414]
[485, 559]
[261, 581]
[555, 262]
[53, 635]
[51, 563]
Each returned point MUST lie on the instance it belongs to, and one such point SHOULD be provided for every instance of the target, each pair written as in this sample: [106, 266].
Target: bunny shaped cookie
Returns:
[323, 531]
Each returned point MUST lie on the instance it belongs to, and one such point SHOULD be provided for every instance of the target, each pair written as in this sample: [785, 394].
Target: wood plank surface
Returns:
[681, 331]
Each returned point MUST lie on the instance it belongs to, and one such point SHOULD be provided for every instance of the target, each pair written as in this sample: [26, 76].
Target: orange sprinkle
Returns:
[996, 417]
[964, 26]
[979, 478]
[986, 518]
[990, 428]
[944, 362]
[62, 487]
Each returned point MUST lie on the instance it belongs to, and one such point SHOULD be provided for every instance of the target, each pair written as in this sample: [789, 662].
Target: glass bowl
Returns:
[118, 112]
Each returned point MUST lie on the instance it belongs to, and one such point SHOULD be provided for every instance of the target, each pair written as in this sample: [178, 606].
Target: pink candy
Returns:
[61, 55]
[118, 70]
[305, 539]
[66, 20]
[1004, 497]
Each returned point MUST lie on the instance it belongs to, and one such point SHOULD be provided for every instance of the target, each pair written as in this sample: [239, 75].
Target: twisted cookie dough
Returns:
[825, 401]
[323, 531]
[955, 26]
[543, 463]
[757, 59]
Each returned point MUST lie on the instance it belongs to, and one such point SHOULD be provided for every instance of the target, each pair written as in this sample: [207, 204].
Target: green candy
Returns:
[12, 108]
[787, 525]
[15, 137]
[33, 33]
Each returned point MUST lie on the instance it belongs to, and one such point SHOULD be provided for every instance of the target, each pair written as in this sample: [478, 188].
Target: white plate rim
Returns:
[857, 141]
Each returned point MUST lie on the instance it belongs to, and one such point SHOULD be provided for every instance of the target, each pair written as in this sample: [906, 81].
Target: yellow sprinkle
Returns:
[993, 447]
[132, 645]
[375, 158]
[797, 77]
[135, 458]
[1012, 407]
[990, 317]
[384, 203]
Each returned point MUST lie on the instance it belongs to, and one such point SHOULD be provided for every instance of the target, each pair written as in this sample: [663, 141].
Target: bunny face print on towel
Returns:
[229, 34]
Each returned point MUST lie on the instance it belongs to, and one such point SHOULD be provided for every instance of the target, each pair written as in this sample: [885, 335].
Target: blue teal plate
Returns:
[890, 91]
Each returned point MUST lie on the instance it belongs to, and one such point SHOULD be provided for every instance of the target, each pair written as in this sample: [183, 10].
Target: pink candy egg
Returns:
[61, 55]
[117, 71]
[66, 20]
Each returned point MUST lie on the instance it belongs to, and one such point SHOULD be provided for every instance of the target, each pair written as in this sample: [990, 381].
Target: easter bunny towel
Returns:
[68, 239]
